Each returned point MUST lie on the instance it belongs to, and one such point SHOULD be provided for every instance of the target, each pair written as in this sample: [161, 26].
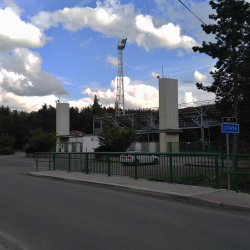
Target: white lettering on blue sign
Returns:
[230, 128]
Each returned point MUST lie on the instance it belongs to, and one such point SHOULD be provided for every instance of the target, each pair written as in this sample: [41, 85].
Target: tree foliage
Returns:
[7, 140]
[6, 144]
[41, 141]
[19, 124]
[115, 140]
[231, 77]
[97, 108]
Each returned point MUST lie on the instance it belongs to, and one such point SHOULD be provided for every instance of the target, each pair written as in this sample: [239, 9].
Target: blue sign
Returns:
[230, 128]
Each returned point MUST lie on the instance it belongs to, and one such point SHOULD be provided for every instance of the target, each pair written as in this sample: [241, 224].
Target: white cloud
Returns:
[199, 77]
[21, 74]
[13, 6]
[154, 75]
[137, 95]
[86, 42]
[180, 53]
[188, 98]
[112, 60]
[197, 95]
[25, 103]
[173, 10]
[113, 19]
[16, 33]
[80, 103]
[140, 95]
[168, 35]
[213, 69]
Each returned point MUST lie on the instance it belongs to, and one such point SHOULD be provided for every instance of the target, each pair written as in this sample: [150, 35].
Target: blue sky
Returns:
[67, 50]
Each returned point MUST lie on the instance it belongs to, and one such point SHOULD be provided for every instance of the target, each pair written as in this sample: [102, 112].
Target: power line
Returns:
[191, 11]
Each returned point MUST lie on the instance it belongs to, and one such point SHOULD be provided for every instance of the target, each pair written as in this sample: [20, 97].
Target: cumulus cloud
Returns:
[25, 103]
[173, 10]
[199, 77]
[136, 95]
[188, 98]
[113, 19]
[193, 95]
[154, 75]
[112, 60]
[16, 33]
[168, 35]
[80, 103]
[13, 6]
[21, 74]
[140, 95]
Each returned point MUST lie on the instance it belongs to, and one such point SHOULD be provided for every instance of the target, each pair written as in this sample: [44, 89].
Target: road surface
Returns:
[39, 213]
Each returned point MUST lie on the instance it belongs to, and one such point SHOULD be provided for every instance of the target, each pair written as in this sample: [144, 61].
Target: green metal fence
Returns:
[194, 147]
[192, 168]
[237, 166]
[43, 157]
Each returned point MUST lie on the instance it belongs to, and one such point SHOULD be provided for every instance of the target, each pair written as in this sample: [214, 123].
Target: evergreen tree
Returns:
[4, 111]
[74, 119]
[232, 51]
[97, 108]
[47, 118]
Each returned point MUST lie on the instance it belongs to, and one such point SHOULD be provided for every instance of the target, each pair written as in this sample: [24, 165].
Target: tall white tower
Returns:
[119, 104]
[168, 112]
[62, 123]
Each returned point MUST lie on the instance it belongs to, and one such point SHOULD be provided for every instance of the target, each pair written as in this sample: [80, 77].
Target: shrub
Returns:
[7, 151]
[6, 140]
[115, 140]
[40, 141]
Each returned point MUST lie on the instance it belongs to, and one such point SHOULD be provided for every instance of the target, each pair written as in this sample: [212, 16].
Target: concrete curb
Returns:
[199, 201]
[192, 199]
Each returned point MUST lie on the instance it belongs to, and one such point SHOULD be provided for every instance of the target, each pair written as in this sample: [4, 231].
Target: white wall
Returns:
[168, 103]
[62, 119]
[168, 111]
[89, 142]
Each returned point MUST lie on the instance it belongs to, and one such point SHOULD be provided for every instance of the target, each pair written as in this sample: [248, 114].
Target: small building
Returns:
[78, 143]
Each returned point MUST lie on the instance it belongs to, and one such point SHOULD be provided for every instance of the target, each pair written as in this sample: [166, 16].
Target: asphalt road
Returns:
[37, 213]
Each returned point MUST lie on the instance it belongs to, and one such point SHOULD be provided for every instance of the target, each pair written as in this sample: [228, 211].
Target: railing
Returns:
[173, 167]
[237, 166]
[194, 147]
[43, 157]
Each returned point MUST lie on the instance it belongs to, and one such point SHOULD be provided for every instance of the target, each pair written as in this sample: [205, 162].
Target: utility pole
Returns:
[119, 104]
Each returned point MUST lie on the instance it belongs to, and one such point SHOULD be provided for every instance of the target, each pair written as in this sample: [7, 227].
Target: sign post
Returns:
[228, 164]
[229, 126]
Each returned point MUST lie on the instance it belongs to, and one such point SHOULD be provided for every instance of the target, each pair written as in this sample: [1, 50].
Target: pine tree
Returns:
[232, 51]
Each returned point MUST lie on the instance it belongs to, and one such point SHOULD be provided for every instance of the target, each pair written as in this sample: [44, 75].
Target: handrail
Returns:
[236, 166]
[200, 168]
[37, 159]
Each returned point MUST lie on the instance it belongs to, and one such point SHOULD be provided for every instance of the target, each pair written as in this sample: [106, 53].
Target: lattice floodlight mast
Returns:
[119, 105]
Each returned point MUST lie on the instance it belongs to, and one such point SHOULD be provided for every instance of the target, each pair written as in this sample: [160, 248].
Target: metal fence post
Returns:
[236, 175]
[171, 169]
[87, 163]
[54, 161]
[108, 164]
[217, 172]
[49, 161]
[69, 161]
[36, 159]
[170, 147]
[136, 162]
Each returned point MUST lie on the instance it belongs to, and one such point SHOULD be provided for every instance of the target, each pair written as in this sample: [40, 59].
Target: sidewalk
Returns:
[207, 196]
